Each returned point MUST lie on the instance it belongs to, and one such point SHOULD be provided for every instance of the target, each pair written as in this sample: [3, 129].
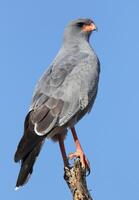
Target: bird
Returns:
[63, 95]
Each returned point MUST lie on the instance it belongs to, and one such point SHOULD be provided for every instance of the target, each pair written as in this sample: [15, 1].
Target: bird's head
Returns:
[79, 29]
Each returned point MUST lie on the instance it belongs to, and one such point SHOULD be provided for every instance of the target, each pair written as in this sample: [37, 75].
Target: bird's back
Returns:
[72, 78]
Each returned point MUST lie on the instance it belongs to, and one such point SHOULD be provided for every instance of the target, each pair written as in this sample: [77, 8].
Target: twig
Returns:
[75, 177]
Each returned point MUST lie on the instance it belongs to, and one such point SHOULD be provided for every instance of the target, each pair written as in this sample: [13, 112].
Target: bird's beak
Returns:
[90, 27]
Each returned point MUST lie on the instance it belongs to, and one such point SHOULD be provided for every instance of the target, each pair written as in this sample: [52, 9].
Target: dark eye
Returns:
[80, 24]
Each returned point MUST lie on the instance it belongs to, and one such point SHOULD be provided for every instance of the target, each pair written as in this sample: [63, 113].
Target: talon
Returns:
[84, 161]
[72, 155]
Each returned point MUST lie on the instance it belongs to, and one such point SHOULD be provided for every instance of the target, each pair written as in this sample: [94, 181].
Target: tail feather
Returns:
[27, 165]
[28, 149]
[26, 145]
[28, 141]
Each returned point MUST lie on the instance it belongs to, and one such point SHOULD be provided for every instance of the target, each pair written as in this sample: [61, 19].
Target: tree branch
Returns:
[75, 178]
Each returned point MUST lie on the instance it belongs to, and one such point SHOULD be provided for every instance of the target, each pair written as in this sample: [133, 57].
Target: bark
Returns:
[75, 177]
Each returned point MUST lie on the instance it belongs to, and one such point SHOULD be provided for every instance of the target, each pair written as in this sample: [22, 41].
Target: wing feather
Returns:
[62, 92]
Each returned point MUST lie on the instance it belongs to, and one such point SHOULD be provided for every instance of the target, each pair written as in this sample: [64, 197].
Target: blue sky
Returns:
[30, 36]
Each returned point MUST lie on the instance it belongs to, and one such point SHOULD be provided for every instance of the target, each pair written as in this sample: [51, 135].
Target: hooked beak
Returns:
[90, 27]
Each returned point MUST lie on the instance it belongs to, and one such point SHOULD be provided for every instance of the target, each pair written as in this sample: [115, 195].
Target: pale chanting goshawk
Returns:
[63, 95]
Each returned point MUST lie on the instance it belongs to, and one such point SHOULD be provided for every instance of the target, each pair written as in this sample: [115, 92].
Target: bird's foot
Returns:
[83, 159]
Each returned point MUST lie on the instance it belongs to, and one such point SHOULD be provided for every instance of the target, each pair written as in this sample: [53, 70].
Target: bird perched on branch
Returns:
[63, 95]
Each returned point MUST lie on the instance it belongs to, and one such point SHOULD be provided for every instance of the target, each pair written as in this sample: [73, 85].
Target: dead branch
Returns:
[75, 178]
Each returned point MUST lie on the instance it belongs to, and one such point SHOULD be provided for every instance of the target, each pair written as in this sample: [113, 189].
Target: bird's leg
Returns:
[79, 151]
[63, 151]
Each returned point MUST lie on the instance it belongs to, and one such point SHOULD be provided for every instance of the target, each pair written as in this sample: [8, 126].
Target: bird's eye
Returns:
[80, 24]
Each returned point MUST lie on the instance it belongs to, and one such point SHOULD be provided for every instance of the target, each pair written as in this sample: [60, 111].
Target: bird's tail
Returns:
[27, 166]
[28, 149]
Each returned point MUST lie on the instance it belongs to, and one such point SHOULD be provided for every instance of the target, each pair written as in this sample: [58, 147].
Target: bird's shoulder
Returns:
[53, 77]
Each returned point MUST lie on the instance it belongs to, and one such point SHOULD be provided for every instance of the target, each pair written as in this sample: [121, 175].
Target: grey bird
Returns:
[63, 95]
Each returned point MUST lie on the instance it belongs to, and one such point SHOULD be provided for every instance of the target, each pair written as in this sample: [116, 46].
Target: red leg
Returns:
[79, 151]
[63, 151]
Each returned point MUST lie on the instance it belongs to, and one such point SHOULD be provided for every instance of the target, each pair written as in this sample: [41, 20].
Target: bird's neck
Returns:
[76, 43]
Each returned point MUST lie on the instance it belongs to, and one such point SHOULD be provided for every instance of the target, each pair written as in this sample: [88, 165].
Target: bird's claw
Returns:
[84, 161]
